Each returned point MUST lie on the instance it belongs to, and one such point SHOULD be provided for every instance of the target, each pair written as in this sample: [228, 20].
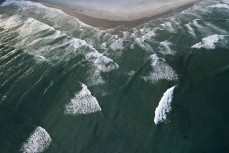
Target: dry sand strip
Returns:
[107, 19]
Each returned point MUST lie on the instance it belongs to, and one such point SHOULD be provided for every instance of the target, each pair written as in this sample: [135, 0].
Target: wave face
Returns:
[101, 91]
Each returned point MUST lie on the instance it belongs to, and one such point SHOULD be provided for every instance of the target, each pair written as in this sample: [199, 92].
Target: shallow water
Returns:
[49, 60]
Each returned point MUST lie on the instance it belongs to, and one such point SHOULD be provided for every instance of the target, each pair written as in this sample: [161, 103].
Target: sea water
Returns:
[159, 87]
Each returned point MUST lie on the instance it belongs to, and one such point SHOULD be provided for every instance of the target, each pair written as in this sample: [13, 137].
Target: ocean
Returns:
[159, 87]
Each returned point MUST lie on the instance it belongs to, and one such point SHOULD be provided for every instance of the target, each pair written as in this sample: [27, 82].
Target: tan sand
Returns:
[133, 16]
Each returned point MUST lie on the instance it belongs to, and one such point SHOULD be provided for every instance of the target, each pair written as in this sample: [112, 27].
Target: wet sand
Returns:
[108, 22]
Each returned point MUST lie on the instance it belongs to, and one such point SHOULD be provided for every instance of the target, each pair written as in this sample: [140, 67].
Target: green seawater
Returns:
[46, 56]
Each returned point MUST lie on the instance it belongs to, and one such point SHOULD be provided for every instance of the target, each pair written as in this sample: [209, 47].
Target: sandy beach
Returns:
[105, 16]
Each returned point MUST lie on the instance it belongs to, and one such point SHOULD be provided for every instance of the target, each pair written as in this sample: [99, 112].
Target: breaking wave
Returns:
[38, 141]
[82, 103]
[44, 53]
[164, 106]
[161, 70]
[209, 42]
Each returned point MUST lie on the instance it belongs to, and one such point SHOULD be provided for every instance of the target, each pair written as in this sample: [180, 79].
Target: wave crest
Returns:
[164, 106]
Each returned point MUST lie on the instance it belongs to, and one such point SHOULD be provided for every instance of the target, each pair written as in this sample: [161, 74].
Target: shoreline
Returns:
[101, 23]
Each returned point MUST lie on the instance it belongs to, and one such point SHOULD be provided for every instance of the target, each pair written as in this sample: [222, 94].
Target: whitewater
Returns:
[159, 86]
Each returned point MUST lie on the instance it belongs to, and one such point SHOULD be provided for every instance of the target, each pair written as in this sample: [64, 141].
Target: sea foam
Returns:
[209, 42]
[190, 30]
[161, 70]
[11, 22]
[197, 25]
[22, 3]
[226, 6]
[30, 29]
[164, 106]
[168, 26]
[146, 35]
[225, 1]
[117, 45]
[165, 48]
[7, 2]
[38, 141]
[82, 103]
[101, 63]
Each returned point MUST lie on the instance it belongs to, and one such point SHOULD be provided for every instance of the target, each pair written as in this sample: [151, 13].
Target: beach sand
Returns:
[104, 16]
